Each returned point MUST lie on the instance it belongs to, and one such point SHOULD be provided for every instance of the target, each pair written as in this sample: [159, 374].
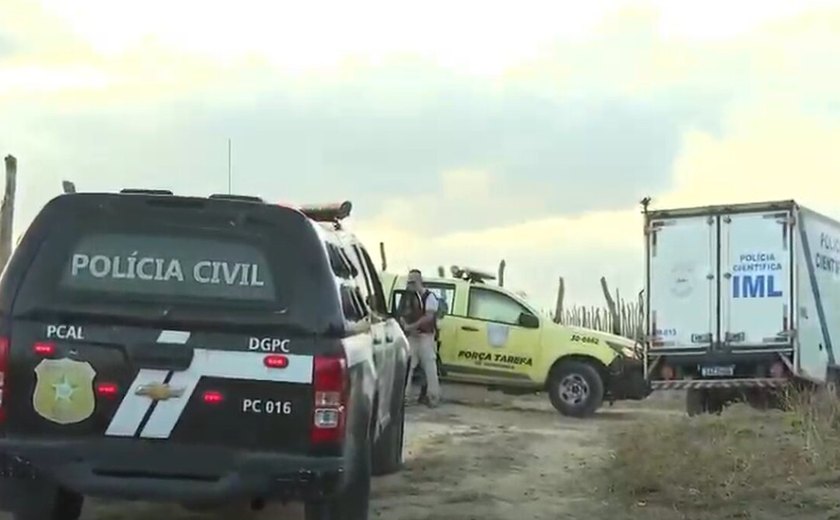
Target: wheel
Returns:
[703, 401]
[715, 403]
[353, 502]
[61, 505]
[576, 389]
[388, 450]
[695, 402]
[762, 399]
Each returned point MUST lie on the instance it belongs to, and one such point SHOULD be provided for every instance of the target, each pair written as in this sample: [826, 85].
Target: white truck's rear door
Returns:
[756, 285]
[682, 267]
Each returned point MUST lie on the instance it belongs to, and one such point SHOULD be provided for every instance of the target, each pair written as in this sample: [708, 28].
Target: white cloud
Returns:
[774, 66]
[581, 248]
[769, 150]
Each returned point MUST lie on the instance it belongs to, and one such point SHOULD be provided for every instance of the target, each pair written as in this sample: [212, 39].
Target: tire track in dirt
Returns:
[492, 464]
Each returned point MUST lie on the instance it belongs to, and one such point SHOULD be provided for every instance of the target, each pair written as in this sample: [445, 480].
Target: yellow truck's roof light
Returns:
[327, 212]
[471, 275]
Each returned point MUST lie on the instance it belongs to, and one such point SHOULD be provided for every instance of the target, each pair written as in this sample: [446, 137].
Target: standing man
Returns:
[421, 337]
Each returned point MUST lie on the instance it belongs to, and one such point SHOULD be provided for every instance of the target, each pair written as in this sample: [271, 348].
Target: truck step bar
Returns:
[686, 384]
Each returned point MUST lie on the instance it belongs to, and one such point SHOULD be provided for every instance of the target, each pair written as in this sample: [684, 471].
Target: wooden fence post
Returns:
[502, 266]
[382, 256]
[558, 306]
[611, 308]
[7, 211]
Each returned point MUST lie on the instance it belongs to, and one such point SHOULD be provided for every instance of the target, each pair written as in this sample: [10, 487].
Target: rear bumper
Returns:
[720, 384]
[627, 380]
[128, 469]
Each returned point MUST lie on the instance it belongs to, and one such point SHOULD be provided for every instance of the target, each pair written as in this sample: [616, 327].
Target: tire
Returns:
[353, 502]
[699, 402]
[576, 389]
[62, 505]
[388, 450]
[695, 402]
[761, 399]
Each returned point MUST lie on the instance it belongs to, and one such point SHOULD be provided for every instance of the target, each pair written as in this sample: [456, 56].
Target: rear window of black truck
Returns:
[135, 264]
[167, 257]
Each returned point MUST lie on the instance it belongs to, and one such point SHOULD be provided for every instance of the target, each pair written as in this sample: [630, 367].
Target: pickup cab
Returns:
[491, 336]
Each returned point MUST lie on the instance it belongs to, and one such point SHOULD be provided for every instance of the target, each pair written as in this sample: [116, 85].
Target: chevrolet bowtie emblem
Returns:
[159, 391]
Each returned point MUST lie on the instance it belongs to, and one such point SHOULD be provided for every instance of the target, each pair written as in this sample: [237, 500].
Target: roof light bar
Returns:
[327, 212]
[471, 275]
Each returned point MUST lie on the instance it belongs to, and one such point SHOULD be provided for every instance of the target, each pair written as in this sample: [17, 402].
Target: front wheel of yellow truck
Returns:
[576, 389]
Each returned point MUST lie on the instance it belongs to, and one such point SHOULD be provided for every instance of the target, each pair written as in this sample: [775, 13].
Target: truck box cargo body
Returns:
[743, 295]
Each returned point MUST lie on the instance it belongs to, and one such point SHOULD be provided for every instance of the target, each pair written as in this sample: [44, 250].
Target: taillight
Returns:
[276, 361]
[330, 399]
[212, 397]
[778, 370]
[4, 367]
[44, 349]
[107, 389]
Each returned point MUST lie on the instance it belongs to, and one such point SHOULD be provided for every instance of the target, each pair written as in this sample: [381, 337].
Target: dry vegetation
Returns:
[743, 464]
[630, 321]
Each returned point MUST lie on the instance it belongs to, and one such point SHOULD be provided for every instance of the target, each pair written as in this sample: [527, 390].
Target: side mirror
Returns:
[529, 321]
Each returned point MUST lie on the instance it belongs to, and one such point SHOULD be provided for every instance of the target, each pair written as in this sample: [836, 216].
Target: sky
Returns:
[464, 133]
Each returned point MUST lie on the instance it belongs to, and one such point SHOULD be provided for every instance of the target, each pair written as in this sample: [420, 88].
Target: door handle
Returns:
[471, 329]
[389, 339]
[377, 340]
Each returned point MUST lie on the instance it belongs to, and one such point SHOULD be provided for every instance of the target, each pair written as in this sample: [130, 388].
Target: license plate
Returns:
[728, 371]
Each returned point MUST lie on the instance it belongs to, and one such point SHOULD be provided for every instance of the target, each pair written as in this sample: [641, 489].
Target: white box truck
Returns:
[742, 299]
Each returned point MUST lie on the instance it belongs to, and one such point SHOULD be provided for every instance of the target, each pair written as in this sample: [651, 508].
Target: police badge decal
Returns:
[64, 390]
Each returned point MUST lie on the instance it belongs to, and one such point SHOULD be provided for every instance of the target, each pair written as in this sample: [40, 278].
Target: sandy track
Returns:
[479, 456]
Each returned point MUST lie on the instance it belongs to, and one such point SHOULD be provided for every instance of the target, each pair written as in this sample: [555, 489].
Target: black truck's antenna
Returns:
[229, 168]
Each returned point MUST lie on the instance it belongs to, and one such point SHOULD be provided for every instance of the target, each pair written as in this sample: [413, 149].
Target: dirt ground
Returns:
[480, 455]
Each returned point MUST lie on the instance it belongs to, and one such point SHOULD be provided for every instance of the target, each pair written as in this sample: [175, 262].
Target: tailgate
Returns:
[83, 380]
[682, 284]
[190, 320]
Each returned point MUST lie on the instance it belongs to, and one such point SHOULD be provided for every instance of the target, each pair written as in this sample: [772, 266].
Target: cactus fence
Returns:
[630, 321]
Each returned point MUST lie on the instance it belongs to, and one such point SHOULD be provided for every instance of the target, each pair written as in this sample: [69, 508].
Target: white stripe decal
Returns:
[173, 336]
[221, 364]
[133, 408]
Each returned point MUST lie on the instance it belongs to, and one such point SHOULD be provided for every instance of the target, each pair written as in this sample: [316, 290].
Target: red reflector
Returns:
[44, 349]
[276, 361]
[107, 389]
[213, 397]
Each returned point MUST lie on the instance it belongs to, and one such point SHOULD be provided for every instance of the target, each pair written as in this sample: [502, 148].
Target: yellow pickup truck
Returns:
[489, 335]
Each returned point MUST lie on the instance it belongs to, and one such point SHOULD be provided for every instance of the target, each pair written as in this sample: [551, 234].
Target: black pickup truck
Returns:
[203, 351]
